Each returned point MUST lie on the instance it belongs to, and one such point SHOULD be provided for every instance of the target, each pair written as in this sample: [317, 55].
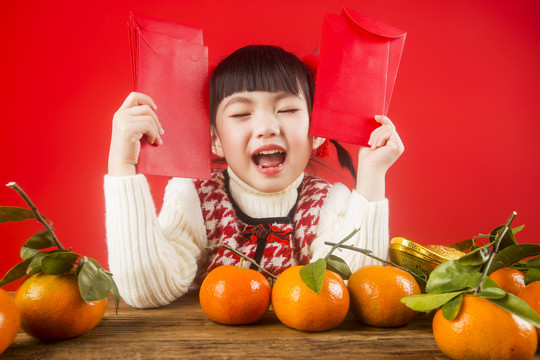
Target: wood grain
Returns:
[182, 331]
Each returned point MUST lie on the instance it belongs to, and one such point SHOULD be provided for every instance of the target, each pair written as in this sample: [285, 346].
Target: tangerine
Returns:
[376, 293]
[531, 295]
[10, 320]
[52, 308]
[508, 279]
[483, 330]
[234, 296]
[299, 307]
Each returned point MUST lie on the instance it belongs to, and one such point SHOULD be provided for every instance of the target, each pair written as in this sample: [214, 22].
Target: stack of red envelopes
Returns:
[170, 64]
[358, 64]
[357, 68]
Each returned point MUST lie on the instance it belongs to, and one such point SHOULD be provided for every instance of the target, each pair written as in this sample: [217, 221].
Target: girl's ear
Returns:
[217, 148]
[317, 141]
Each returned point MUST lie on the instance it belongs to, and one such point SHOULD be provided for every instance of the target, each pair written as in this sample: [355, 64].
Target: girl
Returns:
[263, 204]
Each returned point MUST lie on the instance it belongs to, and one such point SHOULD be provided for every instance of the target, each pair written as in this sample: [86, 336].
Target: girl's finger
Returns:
[136, 99]
[382, 132]
[147, 126]
[384, 120]
[145, 110]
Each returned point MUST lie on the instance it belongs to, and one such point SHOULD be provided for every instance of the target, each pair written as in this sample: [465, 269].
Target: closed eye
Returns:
[238, 116]
[290, 111]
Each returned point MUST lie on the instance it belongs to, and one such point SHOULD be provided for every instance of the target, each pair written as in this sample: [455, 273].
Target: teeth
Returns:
[269, 152]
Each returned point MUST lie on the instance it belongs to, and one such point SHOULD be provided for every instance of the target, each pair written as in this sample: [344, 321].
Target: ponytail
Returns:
[344, 158]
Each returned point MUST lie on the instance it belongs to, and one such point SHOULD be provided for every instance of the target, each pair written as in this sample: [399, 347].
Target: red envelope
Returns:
[170, 64]
[358, 64]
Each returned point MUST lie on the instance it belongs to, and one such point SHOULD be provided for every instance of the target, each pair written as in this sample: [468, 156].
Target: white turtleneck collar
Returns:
[258, 204]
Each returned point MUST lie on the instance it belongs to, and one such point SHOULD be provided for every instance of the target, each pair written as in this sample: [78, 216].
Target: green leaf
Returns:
[532, 275]
[27, 253]
[13, 213]
[535, 262]
[428, 302]
[518, 307]
[40, 240]
[452, 276]
[489, 283]
[15, 273]
[512, 254]
[339, 266]
[94, 282]
[451, 309]
[35, 265]
[312, 275]
[58, 262]
[463, 246]
[507, 240]
[517, 229]
[476, 257]
[494, 292]
[116, 296]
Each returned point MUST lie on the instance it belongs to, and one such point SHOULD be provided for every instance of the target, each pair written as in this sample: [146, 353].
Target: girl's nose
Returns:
[266, 125]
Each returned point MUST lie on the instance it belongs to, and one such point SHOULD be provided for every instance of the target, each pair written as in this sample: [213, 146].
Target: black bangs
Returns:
[259, 68]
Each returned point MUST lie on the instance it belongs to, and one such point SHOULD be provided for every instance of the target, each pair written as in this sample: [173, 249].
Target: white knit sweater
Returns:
[155, 259]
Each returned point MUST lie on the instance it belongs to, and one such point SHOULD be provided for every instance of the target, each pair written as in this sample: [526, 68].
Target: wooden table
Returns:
[182, 331]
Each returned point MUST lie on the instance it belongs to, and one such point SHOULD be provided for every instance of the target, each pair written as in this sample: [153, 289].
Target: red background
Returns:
[465, 104]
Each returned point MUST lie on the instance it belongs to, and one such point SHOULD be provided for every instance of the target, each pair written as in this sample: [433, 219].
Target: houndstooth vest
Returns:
[275, 243]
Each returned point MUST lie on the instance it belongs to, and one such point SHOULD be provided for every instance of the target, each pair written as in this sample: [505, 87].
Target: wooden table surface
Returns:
[182, 331]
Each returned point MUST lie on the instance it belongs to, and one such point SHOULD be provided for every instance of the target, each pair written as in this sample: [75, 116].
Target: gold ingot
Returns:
[410, 255]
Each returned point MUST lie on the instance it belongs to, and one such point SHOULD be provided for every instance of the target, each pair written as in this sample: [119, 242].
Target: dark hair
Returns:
[260, 68]
[265, 68]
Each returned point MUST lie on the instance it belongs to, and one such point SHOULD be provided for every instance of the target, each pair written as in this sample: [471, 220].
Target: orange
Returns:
[234, 296]
[531, 295]
[376, 293]
[299, 307]
[508, 279]
[483, 330]
[52, 308]
[10, 320]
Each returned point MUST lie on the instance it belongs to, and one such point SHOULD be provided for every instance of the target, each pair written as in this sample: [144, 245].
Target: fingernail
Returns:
[161, 131]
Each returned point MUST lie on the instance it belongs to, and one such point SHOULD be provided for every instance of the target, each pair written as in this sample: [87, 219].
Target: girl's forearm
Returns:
[370, 183]
[118, 167]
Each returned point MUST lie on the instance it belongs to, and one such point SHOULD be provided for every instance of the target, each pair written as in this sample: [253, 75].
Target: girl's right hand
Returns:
[135, 119]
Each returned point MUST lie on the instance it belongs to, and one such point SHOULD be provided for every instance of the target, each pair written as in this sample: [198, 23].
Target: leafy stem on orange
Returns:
[94, 282]
[496, 244]
[242, 256]
[452, 280]
[37, 214]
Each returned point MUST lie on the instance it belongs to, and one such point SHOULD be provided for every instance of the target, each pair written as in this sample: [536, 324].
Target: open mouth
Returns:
[269, 158]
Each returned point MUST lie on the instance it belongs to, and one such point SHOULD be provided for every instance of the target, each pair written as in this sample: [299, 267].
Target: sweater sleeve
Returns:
[343, 212]
[153, 259]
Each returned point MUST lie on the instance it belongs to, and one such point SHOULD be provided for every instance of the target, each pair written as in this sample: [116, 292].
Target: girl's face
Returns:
[264, 137]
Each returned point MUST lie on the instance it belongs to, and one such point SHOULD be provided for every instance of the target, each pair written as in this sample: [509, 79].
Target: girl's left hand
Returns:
[386, 147]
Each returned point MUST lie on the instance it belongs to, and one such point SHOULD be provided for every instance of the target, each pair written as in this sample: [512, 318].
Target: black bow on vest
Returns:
[266, 233]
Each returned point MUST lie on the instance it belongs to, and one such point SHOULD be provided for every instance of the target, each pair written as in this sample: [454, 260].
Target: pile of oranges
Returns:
[230, 295]
[373, 294]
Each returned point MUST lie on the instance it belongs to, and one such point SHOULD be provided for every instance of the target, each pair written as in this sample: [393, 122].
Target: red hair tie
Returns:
[324, 149]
